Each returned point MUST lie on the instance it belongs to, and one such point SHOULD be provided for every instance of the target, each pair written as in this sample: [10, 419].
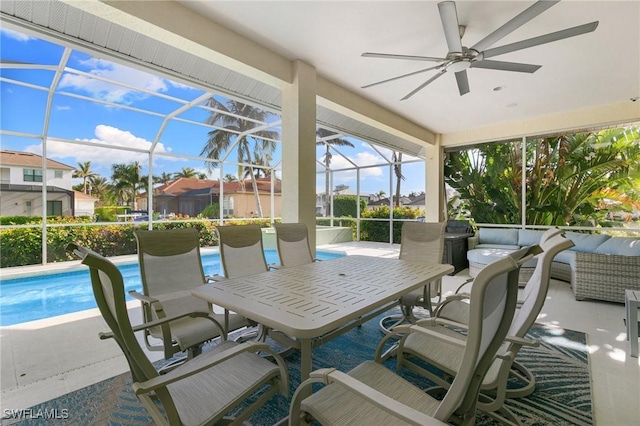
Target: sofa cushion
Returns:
[529, 237]
[620, 245]
[567, 257]
[586, 242]
[498, 236]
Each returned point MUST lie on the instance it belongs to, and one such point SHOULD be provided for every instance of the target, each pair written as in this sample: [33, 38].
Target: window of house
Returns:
[227, 208]
[32, 175]
[54, 208]
[27, 208]
[57, 174]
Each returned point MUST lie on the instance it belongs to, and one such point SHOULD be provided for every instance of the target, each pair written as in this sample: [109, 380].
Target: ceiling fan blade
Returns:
[401, 76]
[463, 82]
[505, 66]
[407, 57]
[531, 12]
[536, 41]
[449, 18]
[423, 85]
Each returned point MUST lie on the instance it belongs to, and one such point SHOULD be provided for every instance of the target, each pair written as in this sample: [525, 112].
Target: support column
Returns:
[299, 149]
[435, 210]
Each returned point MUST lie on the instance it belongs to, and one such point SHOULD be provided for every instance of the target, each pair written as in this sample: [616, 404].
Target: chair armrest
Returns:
[151, 301]
[188, 369]
[375, 397]
[165, 320]
[431, 333]
[439, 321]
[473, 241]
[470, 280]
[143, 298]
[522, 341]
[215, 278]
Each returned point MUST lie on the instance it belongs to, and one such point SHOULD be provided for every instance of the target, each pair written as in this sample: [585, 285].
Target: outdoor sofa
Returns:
[597, 267]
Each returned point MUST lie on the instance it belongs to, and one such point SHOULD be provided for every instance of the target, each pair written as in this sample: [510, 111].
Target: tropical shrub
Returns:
[571, 180]
[23, 246]
[108, 213]
[212, 211]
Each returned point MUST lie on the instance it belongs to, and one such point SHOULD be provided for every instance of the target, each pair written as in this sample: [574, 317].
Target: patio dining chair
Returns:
[292, 241]
[241, 255]
[420, 242]
[170, 266]
[418, 349]
[371, 394]
[204, 390]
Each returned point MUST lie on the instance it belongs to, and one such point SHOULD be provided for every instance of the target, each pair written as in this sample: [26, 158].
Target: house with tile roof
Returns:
[190, 196]
[21, 180]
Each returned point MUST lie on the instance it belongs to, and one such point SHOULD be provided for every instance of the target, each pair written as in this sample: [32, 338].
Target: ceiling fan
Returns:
[460, 58]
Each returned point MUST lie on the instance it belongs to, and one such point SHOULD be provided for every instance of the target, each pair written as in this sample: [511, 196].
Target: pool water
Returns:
[44, 296]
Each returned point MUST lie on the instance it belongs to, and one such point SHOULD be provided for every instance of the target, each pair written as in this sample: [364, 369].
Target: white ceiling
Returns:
[591, 70]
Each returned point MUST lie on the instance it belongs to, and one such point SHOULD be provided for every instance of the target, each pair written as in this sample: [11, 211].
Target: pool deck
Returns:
[44, 359]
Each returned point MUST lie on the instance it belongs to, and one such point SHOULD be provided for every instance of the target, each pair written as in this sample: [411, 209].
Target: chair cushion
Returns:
[498, 236]
[487, 255]
[586, 242]
[498, 246]
[621, 246]
[529, 237]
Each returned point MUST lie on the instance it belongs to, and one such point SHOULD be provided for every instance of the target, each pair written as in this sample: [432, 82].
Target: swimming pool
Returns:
[44, 296]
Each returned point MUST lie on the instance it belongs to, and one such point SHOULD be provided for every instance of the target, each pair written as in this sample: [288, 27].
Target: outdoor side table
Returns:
[455, 251]
[631, 305]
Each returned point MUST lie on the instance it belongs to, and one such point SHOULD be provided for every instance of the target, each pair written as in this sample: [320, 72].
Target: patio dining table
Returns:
[316, 302]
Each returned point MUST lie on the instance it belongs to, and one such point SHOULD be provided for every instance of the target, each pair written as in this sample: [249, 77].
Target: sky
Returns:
[94, 122]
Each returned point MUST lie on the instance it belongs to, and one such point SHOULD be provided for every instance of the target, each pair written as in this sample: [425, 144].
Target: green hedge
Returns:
[23, 246]
[379, 230]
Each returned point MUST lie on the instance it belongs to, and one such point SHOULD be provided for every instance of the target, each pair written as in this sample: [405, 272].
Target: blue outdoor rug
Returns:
[560, 365]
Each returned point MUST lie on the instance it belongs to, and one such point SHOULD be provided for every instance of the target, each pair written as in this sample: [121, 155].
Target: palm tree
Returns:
[229, 178]
[186, 172]
[325, 139]
[397, 170]
[85, 173]
[259, 172]
[238, 136]
[99, 187]
[165, 178]
[126, 181]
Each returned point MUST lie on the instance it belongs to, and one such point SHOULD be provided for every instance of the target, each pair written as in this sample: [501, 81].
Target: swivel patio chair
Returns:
[170, 266]
[203, 390]
[420, 242]
[448, 360]
[292, 241]
[371, 394]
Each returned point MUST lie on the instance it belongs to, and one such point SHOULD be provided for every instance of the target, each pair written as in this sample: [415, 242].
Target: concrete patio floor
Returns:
[44, 359]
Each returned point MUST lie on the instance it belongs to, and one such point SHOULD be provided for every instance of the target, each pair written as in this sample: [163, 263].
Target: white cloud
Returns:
[361, 159]
[62, 108]
[102, 157]
[375, 174]
[16, 35]
[120, 73]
